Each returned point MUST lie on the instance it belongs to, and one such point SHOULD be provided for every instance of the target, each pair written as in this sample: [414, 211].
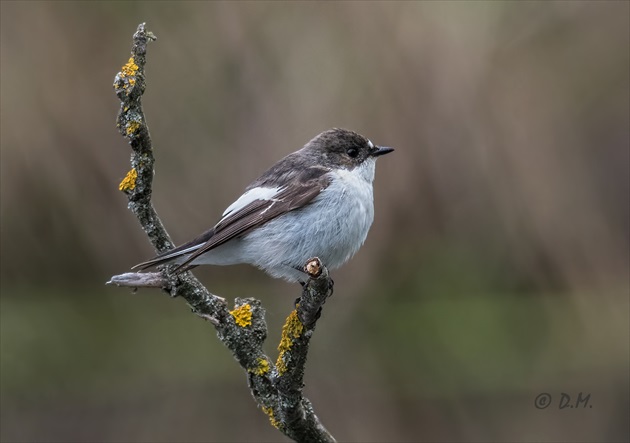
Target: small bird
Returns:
[315, 202]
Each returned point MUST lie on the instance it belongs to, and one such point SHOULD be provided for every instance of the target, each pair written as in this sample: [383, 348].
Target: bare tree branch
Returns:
[139, 280]
[277, 388]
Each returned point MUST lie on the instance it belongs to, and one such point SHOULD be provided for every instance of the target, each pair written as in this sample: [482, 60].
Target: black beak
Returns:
[381, 150]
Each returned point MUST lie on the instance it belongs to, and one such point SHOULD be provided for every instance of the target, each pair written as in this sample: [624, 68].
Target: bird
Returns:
[315, 202]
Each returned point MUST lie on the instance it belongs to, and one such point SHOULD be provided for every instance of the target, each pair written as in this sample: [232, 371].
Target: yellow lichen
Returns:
[132, 127]
[291, 330]
[130, 68]
[242, 315]
[269, 411]
[129, 182]
[261, 368]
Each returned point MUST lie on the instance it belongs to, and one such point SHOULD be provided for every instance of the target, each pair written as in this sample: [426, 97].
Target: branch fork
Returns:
[277, 388]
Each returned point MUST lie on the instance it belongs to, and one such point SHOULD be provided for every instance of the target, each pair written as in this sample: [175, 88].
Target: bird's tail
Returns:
[173, 254]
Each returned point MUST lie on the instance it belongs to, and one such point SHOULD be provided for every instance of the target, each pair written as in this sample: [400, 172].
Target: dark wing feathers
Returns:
[175, 252]
[291, 170]
[298, 188]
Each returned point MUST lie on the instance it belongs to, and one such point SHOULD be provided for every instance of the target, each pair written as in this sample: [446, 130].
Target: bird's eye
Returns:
[353, 152]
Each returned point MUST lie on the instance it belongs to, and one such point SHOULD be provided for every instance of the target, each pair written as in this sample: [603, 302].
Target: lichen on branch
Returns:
[277, 389]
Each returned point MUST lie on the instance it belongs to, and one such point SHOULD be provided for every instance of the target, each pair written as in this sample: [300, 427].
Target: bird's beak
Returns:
[381, 150]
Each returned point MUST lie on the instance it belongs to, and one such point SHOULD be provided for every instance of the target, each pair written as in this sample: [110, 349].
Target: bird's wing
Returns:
[254, 208]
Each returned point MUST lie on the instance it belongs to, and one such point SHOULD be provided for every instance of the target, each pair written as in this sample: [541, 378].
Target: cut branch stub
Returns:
[314, 293]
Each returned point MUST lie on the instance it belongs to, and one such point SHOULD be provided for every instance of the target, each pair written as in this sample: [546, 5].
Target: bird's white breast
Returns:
[348, 206]
[332, 227]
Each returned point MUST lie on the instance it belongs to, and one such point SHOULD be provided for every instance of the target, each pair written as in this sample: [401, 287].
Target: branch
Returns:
[277, 388]
[138, 280]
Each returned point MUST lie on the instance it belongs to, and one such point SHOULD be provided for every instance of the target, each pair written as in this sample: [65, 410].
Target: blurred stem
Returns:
[276, 388]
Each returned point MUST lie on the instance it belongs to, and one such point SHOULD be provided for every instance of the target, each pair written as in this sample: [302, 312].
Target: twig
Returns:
[277, 388]
[139, 280]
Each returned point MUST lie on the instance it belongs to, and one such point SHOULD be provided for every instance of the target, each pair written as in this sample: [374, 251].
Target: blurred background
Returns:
[496, 269]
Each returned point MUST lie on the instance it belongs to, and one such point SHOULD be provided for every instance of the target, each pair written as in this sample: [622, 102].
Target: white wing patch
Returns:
[254, 194]
[268, 207]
